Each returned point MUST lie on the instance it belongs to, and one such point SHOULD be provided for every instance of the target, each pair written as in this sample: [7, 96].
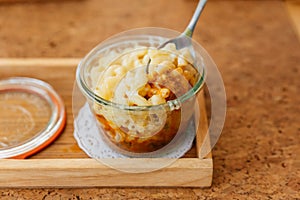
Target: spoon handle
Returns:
[190, 28]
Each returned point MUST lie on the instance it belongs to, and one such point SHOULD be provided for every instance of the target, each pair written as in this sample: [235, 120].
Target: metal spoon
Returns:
[184, 40]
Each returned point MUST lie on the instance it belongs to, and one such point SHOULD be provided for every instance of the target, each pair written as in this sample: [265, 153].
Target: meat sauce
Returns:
[143, 145]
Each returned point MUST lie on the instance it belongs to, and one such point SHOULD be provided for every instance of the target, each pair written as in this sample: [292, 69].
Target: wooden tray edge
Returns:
[62, 173]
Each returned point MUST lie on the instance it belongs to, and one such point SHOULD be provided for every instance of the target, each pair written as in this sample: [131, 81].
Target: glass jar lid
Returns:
[32, 115]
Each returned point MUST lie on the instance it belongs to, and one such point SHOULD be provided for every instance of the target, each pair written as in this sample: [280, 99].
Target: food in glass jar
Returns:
[123, 80]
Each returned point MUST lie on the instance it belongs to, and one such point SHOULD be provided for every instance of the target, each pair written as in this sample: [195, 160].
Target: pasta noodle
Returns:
[162, 61]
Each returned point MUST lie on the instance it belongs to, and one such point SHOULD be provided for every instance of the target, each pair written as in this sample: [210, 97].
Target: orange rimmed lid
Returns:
[32, 115]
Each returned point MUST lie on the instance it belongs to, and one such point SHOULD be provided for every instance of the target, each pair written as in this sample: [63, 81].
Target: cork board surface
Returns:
[258, 54]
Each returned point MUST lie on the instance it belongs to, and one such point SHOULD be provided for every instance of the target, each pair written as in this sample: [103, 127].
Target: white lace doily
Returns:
[87, 135]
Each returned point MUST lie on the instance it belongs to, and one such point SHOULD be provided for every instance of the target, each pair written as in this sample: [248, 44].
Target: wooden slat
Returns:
[293, 8]
[88, 172]
[39, 62]
[202, 125]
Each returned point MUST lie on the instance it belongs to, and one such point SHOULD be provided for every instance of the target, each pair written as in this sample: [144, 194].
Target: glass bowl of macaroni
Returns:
[142, 111]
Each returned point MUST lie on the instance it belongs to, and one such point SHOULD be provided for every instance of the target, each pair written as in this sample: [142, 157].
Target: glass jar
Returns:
[139, 130]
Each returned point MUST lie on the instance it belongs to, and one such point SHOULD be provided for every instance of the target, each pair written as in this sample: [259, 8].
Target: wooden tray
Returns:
[64, 164]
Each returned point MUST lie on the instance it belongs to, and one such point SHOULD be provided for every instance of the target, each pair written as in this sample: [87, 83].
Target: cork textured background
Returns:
[258, 54]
